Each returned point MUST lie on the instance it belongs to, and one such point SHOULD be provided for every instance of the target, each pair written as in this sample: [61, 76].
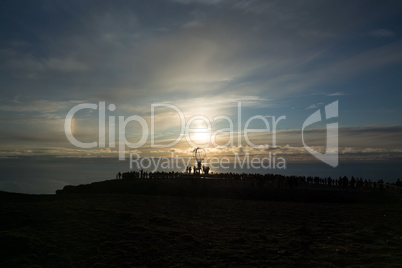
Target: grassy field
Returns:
[127, 230]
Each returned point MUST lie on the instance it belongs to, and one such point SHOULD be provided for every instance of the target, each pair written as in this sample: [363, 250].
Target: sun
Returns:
[201, 136]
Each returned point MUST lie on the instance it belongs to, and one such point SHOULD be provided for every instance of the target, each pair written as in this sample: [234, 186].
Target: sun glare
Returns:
[201, 136]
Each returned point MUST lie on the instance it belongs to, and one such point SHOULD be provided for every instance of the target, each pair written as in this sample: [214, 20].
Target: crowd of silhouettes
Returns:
[271, 180]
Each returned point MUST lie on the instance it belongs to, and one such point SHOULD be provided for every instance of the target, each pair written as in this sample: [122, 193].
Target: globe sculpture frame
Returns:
[199, 156]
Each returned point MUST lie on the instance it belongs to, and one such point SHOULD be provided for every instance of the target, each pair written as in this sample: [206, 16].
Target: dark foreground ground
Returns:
[127, 230]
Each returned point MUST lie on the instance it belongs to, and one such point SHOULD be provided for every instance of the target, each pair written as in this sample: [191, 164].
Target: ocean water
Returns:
[46, 175]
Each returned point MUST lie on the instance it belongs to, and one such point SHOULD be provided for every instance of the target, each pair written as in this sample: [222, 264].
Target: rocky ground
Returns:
[127, 230]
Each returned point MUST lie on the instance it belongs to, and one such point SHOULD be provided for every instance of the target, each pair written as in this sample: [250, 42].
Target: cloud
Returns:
[253, 6]
[33, 138]
[39, 106]
[63, 152]
[204, 2]
[314, 106]
[338, 93]
[353, 146]
[33, 66]
[114, 55]
[343, 68]
[202, 56]
[381, 33]
[65, 65]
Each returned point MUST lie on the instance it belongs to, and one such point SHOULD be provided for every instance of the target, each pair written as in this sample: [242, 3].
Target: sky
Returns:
[208, 58]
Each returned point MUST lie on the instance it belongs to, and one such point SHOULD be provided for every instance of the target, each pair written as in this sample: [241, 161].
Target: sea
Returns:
[38, 175]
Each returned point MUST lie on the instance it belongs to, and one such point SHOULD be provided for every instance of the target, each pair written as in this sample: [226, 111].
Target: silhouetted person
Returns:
[119, 174]
[205, 169]
[352, 182]
[344, 183]
[381, 184]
